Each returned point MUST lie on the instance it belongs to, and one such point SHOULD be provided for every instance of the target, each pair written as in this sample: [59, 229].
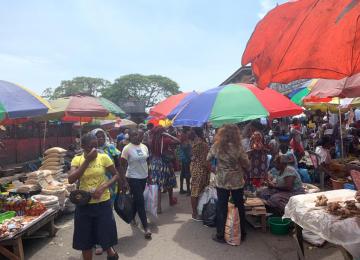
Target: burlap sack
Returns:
[57, 150]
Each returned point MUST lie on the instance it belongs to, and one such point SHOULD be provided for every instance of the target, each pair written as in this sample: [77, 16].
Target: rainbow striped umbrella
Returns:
[299, 94]
[235, 103]
[172, 105]
[19, 102]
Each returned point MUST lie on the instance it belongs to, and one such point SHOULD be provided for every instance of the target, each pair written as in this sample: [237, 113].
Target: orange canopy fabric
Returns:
[306, 39]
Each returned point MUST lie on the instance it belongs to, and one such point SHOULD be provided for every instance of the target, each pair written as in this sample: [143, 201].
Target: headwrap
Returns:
[107, 139]
[257, 141]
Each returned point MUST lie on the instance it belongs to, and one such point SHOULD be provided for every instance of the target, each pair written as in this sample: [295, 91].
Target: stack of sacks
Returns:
[54, 160]
[49, 186]
[35, 178]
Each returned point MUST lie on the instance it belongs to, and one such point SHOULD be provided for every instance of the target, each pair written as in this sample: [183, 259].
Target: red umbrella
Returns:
[306, 39]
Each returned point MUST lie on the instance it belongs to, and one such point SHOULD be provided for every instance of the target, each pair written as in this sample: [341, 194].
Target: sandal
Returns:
[114, 257]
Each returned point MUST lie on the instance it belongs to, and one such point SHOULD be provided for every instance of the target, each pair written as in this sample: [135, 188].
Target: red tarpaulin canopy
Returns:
[306, 39]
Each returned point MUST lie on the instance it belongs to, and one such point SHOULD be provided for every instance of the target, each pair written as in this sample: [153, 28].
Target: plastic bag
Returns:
[209, 213]
[123, 206]
[312, 238]
[151, 194]
[232, 228]
[304, 175]
[208, 193]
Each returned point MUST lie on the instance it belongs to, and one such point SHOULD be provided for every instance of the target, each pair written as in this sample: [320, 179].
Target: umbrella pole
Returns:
[341, 135]
[44, 137]
[80, 132]
[16, 144]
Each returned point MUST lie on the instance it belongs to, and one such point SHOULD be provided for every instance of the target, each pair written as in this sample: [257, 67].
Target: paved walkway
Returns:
[177, 237]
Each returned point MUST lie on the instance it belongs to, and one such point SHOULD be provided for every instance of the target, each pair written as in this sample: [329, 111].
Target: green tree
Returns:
[48, 93]
[84, 85]
[149, 89]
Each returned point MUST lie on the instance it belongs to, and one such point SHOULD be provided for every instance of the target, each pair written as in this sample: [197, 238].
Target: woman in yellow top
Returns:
[94, 223]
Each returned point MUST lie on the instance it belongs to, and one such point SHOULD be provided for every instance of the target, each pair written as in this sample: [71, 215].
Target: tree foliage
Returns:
[84, 85]
[149, 89]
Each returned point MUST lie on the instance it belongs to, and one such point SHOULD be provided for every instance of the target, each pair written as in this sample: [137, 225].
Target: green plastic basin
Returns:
[279, 226]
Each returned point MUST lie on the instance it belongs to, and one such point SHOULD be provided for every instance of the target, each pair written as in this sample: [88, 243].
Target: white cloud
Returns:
[266, 6]
[11, 59]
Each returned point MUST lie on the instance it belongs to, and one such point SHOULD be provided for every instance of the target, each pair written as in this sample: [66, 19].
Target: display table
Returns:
[345, 233]
[254, 207]
[45, 221]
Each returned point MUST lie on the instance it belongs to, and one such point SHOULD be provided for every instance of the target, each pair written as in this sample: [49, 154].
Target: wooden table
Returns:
[16, 251]
[256, 208]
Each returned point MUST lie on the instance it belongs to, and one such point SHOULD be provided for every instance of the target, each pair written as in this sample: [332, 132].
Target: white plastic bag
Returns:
[312, 238]
[151, 194]
[208, 193]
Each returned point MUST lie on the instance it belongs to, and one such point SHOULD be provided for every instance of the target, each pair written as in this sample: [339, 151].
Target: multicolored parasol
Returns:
[19, 102]
[299, 94]
[82, 108]
[172, 105]
[235, 103]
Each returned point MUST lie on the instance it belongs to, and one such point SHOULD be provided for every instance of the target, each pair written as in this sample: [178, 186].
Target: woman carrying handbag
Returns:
[94, 222]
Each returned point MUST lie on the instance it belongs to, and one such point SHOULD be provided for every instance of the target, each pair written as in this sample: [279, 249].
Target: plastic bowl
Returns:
[7, 215]
[279, 226]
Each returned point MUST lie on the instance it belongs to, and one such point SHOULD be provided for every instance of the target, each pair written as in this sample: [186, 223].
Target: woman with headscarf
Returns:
[232, 164]
[104, 146]
[284, 184]
[258, 158]
[94, 223]
[162, 163]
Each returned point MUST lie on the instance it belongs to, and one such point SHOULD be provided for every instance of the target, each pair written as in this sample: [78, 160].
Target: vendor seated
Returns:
[282, 185]
[323, 150]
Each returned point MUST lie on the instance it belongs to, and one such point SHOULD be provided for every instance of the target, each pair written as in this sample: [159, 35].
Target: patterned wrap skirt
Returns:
[162, 173]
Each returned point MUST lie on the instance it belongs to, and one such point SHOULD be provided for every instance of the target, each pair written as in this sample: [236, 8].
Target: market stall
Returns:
[15, 229]
[332, 215]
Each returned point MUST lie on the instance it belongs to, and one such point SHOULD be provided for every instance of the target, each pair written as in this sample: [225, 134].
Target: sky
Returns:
[197, 43]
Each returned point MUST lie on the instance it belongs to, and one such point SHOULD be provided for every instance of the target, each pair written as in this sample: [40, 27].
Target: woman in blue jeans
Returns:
[134, 162]
[231, 164]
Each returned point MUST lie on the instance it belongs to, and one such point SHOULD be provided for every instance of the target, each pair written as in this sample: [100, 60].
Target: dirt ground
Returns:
[176, 236]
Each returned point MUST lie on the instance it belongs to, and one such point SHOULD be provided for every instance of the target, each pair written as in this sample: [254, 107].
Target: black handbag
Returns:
[80, 197]
[124, 206]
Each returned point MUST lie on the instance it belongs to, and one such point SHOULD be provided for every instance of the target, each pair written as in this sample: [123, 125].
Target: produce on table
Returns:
[348, 209]
[23, 206]
[321, 201]
[11, 226]
[357, 196]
